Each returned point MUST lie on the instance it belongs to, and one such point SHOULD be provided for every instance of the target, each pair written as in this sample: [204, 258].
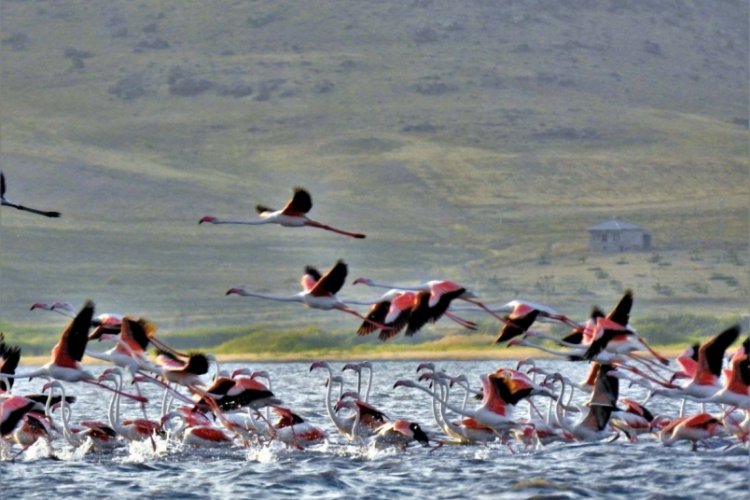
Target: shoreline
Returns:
[415, 355]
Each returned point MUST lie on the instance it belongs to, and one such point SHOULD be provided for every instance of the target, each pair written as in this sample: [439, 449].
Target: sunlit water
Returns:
[337, 469]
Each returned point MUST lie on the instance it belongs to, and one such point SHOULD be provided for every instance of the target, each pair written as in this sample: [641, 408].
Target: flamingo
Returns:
[130, 429]
[12, 411]
[291, 429]
[177, 371]
[239, 391]
[706, 381]
[437, 290]
[34, 427]
[523, 314]
[634, 419]
[613, 333]
[465, 431]
[294, 214]
[367, 420]
[10, 355]
[344, 424]
[102, 435]
[196, 429]
[425, 310]
[694, 428]
[103, 323]
[321, 295]
[7, 203]
[358, 367]
[130, 349]
[736, 389]
[68, 352]
[593, 426]
[400, 433]
[392, 310]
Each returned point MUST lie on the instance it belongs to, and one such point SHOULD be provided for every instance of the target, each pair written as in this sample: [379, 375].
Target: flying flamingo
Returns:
[436, 288]
[7, 203]
[68, 352]
[103, 323]
[322, 295]
[12, 411]
[393, 310]
[736, 389]
[523, 314]
[432, 301]
[237, 392]
[706, 381]
[294, 214]
[426, 310]
[9, 357]
[614, 334]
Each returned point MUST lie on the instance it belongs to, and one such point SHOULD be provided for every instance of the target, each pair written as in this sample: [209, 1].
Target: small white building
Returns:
[618, 236]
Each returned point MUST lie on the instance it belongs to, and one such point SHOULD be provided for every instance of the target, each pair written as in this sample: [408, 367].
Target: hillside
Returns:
[470, 140]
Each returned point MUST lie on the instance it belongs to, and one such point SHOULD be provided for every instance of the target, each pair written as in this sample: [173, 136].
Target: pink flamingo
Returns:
[321, 295]
[68, 352]
[294, 214]
[694, 428]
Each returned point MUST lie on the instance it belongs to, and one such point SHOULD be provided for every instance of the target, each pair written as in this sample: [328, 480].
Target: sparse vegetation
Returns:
[462, 154]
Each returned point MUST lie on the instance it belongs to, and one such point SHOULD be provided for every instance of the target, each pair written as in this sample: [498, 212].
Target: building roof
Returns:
[616, 225]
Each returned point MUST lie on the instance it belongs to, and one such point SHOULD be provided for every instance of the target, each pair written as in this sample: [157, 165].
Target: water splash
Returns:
[139, 452]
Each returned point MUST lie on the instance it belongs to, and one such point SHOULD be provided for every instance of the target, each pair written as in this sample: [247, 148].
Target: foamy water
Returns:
[337, 468]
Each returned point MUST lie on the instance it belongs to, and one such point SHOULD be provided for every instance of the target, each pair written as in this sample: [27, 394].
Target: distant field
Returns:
[472, 142]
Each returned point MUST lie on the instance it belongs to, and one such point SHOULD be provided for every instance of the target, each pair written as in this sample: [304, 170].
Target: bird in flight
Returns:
[294, 214]
[7, 203]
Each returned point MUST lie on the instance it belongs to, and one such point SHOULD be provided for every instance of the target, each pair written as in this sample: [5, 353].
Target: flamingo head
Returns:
[352, 366]
[426, 366]
[404, 383]
[208, 219]
[412, 430]
[260, 374]
[524, 362]
[458, 379]
[64, 306]
[241, 371]
[235, 291]
[319, 364]
[362, 281]
[41, 305]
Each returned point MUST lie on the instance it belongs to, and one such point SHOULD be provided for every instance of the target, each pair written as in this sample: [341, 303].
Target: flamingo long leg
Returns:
[463, 322]
[314, 223]
[140, 399]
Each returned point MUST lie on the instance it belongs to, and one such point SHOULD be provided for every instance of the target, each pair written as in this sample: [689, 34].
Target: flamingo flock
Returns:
[203, 405]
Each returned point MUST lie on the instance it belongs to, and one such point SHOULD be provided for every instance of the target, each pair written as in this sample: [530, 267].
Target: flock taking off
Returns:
[201, 407]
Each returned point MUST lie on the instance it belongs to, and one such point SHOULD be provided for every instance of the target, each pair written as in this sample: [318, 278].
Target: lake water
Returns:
[337, 469]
